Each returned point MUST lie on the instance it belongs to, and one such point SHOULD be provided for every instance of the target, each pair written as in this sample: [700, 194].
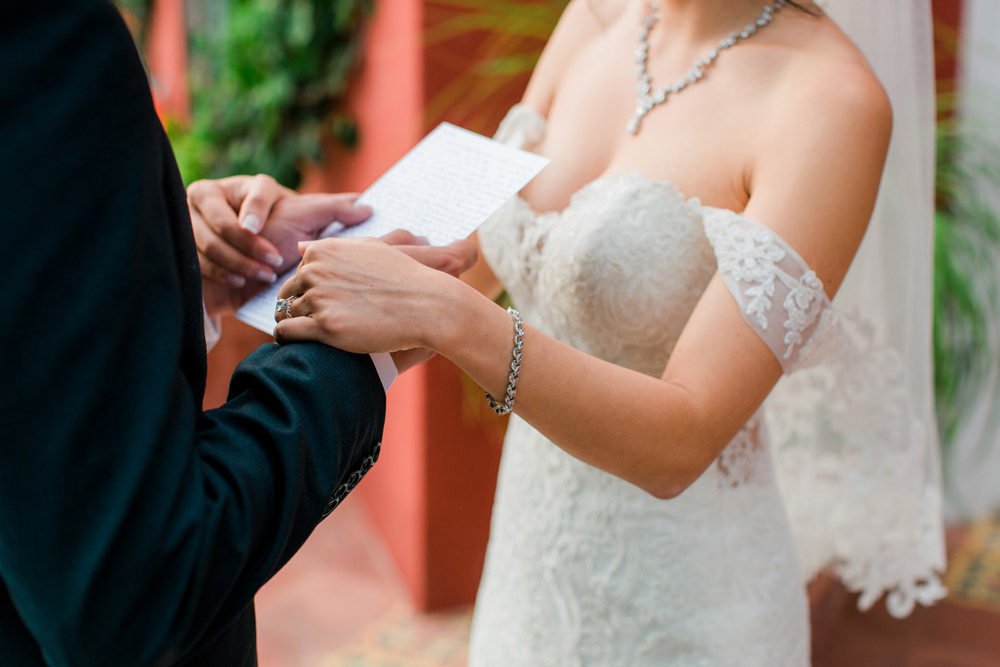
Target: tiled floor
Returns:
[335, 589]
[339, 603]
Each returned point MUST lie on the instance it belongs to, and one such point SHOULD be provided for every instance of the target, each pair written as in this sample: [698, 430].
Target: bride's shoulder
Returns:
[827, 79]
[581, 22]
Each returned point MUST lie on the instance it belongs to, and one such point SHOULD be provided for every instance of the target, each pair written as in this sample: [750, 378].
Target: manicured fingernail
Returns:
[274, 259]
[251, 223]
[265, 276]
[236, 280]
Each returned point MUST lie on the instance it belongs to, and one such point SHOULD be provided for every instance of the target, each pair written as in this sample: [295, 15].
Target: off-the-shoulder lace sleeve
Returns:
[510, 240]
[522, 127]
[780, 297]
[852, 451]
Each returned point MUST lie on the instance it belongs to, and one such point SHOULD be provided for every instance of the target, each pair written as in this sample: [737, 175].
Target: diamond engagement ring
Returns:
[284, 306]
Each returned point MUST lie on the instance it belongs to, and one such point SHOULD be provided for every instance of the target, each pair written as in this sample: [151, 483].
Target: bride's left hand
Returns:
[363, 295]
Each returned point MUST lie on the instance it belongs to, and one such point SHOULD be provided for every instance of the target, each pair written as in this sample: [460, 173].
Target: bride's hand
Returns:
[363, 295]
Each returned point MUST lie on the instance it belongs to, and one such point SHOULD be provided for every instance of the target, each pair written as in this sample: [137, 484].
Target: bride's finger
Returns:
[294, 286]
[293, 306]
[297, 329]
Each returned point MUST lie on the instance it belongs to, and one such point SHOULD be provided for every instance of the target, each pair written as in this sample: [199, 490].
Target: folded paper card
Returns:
[443, 189]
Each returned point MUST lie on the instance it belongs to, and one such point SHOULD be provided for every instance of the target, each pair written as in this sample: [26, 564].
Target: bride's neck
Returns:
[707, 19]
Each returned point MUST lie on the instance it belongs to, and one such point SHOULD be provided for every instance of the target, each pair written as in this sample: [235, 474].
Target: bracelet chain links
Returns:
[507, 406]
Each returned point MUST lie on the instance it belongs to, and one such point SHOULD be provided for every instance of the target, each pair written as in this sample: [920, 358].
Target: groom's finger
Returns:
[455, 258]
[228, 259]
[312, 213]
[262, 192]
[210, 206]
[401, 237]
[296, 329]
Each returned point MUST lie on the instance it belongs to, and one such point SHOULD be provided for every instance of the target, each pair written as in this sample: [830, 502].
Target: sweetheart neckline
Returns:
[542, 128]
[646, 180]
[673, 189]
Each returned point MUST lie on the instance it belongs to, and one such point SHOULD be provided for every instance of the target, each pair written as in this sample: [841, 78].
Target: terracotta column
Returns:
[166, 51]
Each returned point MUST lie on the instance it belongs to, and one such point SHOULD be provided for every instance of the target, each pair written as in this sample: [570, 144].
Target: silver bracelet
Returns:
[507, 406]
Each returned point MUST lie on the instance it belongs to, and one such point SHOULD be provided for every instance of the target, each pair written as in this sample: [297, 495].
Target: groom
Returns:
[135, 529]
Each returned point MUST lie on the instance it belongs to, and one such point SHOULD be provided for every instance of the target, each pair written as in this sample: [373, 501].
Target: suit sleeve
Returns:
[133, 525]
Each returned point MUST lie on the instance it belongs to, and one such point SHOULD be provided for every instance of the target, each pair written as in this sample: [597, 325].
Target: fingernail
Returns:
[423, 240]
[274, 259]
[251, 223]
[265, 276]
[236, 280]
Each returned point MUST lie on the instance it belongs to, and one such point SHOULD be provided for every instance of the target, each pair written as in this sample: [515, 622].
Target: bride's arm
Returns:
[659, 434]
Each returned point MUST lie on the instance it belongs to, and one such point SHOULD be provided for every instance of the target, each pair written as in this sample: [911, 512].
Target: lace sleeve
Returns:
[522, 127]
[779, 296]
[854, 456]
[509, 240]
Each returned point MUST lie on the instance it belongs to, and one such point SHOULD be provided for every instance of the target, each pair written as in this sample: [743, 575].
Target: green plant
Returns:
[265, 89]
[266, 80]
[966, 274]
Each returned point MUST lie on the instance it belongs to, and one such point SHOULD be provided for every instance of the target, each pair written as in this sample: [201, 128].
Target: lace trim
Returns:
[522, 127]
[850, 448]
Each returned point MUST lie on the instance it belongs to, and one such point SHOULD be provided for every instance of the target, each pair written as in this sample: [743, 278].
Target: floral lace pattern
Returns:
[759, 269]
[583, 569]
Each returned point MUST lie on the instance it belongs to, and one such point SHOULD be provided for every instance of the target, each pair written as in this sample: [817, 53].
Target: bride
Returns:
[697, 428]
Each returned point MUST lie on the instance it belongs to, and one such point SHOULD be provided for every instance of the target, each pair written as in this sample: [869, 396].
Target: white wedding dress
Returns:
[585, 569]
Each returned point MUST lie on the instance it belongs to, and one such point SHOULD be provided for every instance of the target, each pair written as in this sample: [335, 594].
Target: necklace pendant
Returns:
[646, 98]
[635, 124]
[644, 105]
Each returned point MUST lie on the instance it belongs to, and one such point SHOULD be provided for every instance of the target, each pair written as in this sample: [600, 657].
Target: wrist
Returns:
[213, 298]
[457, 313]
[472, 331]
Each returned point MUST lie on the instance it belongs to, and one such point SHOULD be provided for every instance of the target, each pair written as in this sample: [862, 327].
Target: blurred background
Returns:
[325, 95]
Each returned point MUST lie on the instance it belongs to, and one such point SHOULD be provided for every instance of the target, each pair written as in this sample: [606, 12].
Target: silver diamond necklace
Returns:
[646, 98]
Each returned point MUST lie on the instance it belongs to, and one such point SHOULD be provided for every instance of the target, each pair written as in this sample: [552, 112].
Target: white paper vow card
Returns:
[444, 188]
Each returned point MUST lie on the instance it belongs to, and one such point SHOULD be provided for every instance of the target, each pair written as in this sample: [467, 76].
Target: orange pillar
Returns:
[166, 53]
[947, 39]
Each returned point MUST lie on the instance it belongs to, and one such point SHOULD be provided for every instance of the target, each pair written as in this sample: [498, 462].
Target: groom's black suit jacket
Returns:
[134, 527]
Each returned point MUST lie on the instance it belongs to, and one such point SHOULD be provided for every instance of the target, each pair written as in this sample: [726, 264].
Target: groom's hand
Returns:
[247, 230]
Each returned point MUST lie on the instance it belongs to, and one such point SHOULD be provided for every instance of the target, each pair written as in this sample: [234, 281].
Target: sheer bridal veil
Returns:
[855, 435]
